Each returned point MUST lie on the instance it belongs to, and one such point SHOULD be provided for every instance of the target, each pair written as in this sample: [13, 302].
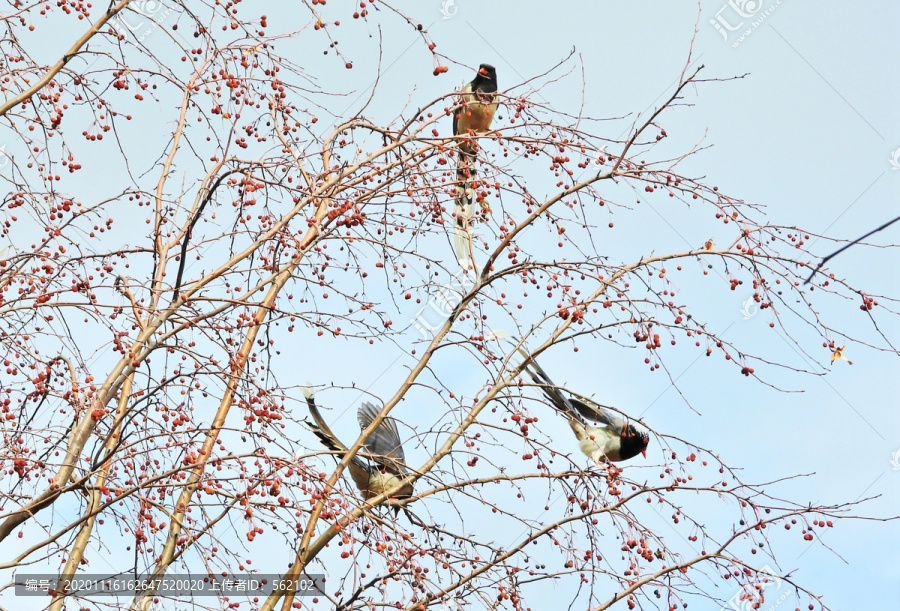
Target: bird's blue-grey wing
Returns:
[385, 439]
[595, 413]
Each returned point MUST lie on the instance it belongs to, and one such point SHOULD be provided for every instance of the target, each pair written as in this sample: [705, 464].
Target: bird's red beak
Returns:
[644, 452]
[483, 72]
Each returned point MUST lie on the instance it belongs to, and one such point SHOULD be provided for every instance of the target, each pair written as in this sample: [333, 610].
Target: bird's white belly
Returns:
[376, 483]
[598, 444]
[385, 482]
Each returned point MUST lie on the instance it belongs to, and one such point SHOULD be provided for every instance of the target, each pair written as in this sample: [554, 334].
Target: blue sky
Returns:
[808, 131]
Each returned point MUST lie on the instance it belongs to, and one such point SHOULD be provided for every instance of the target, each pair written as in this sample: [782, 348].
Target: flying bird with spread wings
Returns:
[380, 463]
[477, 107]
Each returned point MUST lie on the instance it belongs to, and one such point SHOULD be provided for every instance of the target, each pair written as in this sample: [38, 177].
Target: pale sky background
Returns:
[808, 133]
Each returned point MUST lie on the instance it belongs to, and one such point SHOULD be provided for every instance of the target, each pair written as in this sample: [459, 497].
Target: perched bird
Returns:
[613, 440]
[478, 105]
[384, 467]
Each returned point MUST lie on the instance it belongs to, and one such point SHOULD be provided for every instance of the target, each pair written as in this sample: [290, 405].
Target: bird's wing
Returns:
[385, 439]
[320, 428]
[595, 413]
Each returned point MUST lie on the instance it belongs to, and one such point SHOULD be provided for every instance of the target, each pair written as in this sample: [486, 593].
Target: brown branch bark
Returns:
[76, 552]
[65, 59]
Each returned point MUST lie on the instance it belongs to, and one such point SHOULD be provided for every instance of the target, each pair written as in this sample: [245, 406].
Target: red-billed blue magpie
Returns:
[614, 439]
[477, 105]
[384, 466]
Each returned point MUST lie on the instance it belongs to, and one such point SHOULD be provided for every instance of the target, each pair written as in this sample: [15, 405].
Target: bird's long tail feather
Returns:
[538, 375]
[547, 386]
[320, 428]
[462, 235]
[464, 210]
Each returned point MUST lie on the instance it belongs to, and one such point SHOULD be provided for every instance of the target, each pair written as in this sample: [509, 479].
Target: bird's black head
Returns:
[486, 79]
[634, 441]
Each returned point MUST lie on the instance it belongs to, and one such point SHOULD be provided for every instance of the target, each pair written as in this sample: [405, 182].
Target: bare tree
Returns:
[156, 276]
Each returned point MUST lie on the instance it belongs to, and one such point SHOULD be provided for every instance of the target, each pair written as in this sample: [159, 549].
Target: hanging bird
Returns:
[385, 467]
[478, 105]
[613, 440]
